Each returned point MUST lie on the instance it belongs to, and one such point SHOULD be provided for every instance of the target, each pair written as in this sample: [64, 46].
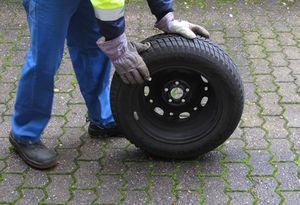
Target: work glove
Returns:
[126, 58]
[169, 25]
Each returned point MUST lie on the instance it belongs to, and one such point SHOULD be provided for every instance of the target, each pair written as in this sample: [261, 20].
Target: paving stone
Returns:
[270, 104]
[11, 35]
[10, 75]
[240, 198]
[256, 51]
[135, 154]
[135, 198]
[261, 66]
[292, 53]
[286, 39]
[35, 179]
[259, 161]
[2, 165]
[267, 33]
[23, 43]
[249, 89]
[277, 59]
[162, 168]
[4, 92]
[275, 126]
[8, 187]
[255, 138]
[233, 150]
[287, 174]
[265, 83]
[15, 164]
[17, 58]
[218, 37]
[64, 83]
[237, 134]
[292, 114]
[281, 150]
[210, 163]
[5, 127]
[31, 196]
[187, 176]
[136, 175]
[291, 197]
[117, 143]
[113, 162]
[252, 38]
[66, 159]
[4, 148]
[54, 128]
[272, 45]
[76, 96]
[235, 44]
[264, 189]
[291, 96]
[295, 137]
[82, 197]
[91, 149]
[188, 197]
[58, 189]
[250, 116]
[86, 175]
[66, 67]
[4, 50]
[295, 66]
[214, 190]
[76, 116]
[237, 176]
[282, 74]
[162, 184]
[2, 110]
[71, 137]
[60, 104]
[109, 191]
[281, 26]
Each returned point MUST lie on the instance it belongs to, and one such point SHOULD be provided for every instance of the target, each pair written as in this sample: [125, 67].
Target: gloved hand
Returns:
[169, 25]
[125, 57]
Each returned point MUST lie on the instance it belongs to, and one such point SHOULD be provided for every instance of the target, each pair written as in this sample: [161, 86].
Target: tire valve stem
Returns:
[135, 116]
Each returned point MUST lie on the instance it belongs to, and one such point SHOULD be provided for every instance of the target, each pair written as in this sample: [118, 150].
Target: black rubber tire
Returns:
[201, 55]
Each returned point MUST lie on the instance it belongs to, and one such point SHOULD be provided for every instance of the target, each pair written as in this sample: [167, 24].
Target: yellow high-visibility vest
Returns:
[108, 10]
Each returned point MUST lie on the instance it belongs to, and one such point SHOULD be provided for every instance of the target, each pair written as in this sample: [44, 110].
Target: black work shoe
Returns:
[97, 131]
[36, 155]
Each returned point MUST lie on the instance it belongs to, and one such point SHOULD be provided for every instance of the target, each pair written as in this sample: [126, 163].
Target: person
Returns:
[96, 39]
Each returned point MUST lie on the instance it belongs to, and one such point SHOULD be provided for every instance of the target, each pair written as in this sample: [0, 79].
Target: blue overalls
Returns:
[50, 23]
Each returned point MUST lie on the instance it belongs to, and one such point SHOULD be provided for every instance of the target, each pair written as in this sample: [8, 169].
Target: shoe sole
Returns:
[31, 163]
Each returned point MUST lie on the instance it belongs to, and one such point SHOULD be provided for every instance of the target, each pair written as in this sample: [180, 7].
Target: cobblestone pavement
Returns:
[259, 164]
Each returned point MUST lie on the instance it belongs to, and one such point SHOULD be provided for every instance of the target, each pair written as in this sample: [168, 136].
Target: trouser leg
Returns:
[48, 24]
[91, 66]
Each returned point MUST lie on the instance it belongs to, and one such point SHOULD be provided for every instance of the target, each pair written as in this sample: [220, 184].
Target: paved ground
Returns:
[259, 164]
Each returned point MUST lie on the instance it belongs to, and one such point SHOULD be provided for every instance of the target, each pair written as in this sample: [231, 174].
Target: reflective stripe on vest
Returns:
[108, 10]
[109, 14]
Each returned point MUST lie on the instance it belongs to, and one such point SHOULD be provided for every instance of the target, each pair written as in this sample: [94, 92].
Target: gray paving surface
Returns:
[259, 164]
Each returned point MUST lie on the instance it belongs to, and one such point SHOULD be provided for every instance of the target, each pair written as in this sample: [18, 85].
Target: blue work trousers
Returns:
[50, 23]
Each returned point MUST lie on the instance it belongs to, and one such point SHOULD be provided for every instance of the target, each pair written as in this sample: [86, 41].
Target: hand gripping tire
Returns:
[192, 105]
